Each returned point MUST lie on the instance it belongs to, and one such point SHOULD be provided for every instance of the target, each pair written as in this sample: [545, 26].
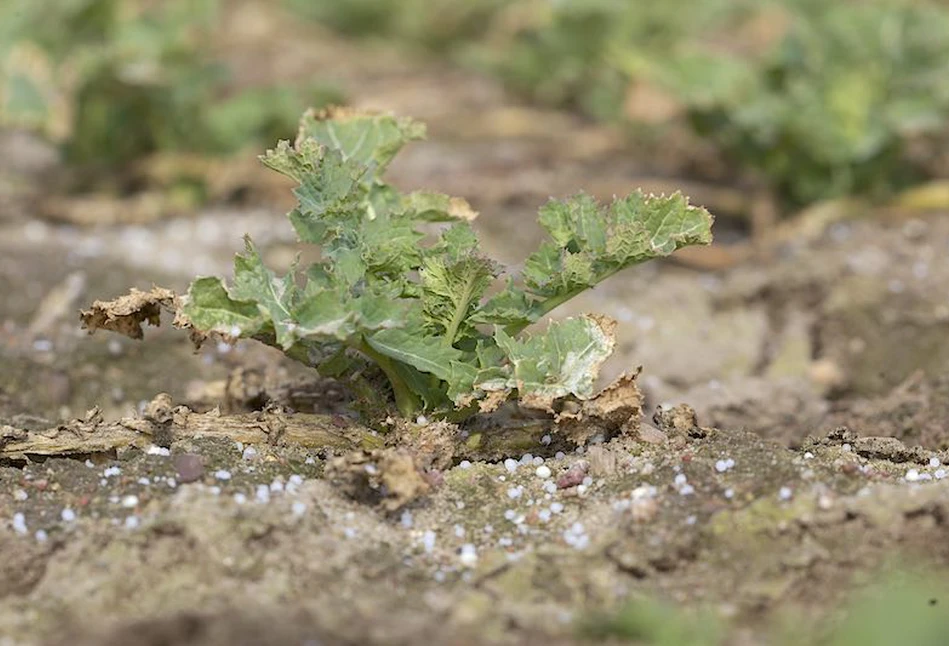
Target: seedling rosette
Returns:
[403, 291]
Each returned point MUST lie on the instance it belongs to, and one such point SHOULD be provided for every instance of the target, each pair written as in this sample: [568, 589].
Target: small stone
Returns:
[19, 523]
[189, 466]
[428, 540]
[68, 515]
[651, 435]
[724, 465]
[602, 461]
[643, 509]
[468, 555]
[543, 471]
[573, 476]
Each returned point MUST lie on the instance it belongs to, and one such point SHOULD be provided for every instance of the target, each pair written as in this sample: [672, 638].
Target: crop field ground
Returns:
[786, 481]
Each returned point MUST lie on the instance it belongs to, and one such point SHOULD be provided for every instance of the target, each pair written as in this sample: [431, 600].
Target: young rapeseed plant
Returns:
[384, 294]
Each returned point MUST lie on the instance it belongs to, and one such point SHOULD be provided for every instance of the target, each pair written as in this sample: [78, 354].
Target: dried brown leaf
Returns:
[126, 314]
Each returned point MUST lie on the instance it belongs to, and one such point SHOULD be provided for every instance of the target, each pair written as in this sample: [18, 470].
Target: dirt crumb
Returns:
[385, 477]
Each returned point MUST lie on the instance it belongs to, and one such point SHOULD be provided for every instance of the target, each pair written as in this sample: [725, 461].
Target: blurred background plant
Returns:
[114, 81]
[806, 100]
[904, 606]
[813, 100]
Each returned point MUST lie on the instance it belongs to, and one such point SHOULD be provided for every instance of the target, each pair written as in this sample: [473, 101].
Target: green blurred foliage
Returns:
[651, 623]
[818, 99]
[902, 607]
[831, 109]
[429, 24]
[116, 80]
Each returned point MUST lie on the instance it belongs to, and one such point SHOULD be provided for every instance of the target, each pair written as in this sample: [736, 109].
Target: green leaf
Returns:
[253, 282]
[575, 223]
[657, 226]
[210, 308]
[437, 207]
[329, 315]
[390, 247]
[331, 193]
[382, 309]
[456, 242]
[324, 315]
[432, 391]
[590, 243]
[369, 139]
[510, 306]
[562, 361]
[451, 291]
[424, 353]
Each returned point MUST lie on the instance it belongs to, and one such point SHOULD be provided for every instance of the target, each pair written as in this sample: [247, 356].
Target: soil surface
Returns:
[818, 375]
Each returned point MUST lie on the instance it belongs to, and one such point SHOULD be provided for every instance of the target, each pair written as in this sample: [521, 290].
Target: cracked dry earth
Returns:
[818, 379]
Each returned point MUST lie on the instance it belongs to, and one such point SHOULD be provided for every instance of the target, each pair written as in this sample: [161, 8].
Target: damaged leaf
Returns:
[395, 300]
[562, 361]
[126, 314]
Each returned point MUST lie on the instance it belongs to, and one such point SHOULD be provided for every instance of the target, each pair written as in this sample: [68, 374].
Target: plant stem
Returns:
[405, 400]
[543, 308]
